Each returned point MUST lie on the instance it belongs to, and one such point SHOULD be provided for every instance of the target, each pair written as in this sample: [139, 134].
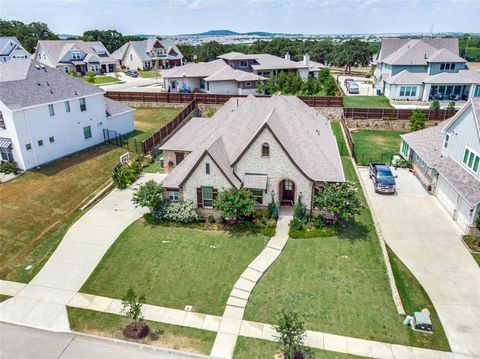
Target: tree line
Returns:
[348, 54]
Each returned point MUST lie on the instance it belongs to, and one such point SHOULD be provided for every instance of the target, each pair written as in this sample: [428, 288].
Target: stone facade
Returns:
[381, 124]
[277, 167]
[199, 178]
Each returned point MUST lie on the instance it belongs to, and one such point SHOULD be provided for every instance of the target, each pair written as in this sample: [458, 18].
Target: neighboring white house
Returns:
[11, 48]
[447, 160]
[424, 69]
[211, 77]
[149, 54]
[75, 56]
[276, 147]
[46, 114]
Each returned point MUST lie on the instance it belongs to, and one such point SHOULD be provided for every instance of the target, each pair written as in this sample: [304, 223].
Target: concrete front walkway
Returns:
[421, 233]
[231, 321]
[41, 303]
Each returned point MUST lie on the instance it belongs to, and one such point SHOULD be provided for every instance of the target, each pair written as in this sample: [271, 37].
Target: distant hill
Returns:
[234, 33]
[66, 36]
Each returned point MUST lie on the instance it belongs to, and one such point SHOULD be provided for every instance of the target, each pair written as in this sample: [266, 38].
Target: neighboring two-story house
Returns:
[276, 147]
[11, 48]
[424, 69]
[447, 161]
[75, 56]
[46, 114]
[149, 54]
[234, 73]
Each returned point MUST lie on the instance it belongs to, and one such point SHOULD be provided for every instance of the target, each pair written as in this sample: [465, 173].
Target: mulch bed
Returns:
[136, 330]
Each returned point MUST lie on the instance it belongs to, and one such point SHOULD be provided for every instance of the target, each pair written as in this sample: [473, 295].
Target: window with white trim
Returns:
[51, 110]
[173, 196]
[408, 91]
[471, 159]
[76, 55]
[243, 63]
[405, 148]
[447, 138]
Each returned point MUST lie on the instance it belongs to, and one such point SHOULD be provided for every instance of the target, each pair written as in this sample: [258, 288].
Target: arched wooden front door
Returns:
[287, 192]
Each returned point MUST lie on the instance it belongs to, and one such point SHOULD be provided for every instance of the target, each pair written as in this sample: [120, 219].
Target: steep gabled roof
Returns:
[142, 48]
[303, 133]
[5, 47]
[444, 55]
[57, 49]
[25, 83]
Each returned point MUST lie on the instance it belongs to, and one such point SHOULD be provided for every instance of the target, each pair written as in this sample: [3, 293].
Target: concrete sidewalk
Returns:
[421, 233]
[42, 302]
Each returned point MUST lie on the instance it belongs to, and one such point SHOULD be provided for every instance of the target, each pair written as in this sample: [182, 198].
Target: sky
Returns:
[169, 17]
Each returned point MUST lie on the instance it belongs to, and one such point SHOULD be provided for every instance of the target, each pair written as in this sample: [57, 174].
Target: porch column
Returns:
[471, 91]
[426, 92]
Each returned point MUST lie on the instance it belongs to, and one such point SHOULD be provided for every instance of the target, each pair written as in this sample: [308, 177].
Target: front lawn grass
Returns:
[4, 297]
[175, 267]
[339, 284]
[376, 145]
[414, 299]
[102, 80]
[248, 348]
[169, 336]
[38, 207]
[366, 102]
[149, 74]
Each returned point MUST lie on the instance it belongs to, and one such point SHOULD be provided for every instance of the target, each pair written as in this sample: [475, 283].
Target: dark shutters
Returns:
[199, 198]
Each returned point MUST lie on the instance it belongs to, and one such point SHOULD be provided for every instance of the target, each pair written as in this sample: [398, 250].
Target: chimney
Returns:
[287, 56]
[306, 59]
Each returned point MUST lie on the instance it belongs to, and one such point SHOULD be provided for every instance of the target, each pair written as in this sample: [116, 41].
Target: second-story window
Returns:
[51, 110]
[67, 106]
[207, 168]
[2, 121]
[83, 105]
[265, 150]
[471, 159]
[76, 55]
[243, 63]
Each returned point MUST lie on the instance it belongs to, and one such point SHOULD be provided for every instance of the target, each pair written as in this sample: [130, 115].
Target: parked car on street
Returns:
[382, 177]
[131, 73]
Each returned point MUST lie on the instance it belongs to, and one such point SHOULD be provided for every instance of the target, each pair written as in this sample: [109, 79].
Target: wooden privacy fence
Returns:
[204, 98]
[395, 114]
[348, 136]
[163, 133]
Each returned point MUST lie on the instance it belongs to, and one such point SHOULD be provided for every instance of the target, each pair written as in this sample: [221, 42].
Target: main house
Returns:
[149, 54]
[46, 114]
[424, 69]
[234, 73]
[75, 56]
[276, 147]
[447, 161]
[11, 48]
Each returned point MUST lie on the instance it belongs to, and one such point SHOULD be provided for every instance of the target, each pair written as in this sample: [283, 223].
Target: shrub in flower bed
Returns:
[8, 167]
[182, 212]
[310, 227]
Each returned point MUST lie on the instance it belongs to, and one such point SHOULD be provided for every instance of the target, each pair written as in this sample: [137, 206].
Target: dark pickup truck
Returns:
[382, 177]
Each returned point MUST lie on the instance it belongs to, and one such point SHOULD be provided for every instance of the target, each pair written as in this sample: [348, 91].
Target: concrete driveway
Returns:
[421, 233]
[41, 303]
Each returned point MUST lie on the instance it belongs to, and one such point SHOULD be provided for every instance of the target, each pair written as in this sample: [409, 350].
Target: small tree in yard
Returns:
[132, 306]
[148, 195]
[291, 334]
[90, 77]
[300, 209]
[273, 208]
[417, 120]
[235, 203]
[435, 105]
[339, 199]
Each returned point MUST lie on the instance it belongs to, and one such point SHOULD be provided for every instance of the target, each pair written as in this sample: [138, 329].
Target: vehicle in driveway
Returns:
[131, 73]
[352, 87]
[382, 177]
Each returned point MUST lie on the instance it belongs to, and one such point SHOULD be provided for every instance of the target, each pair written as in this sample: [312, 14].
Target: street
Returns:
[17, 342]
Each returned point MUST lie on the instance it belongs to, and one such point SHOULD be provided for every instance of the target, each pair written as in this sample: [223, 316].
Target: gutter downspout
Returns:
[30, 137]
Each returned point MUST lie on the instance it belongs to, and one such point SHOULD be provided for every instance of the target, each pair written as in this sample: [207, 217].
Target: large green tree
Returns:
[351, 53]
[27, 34]
[112, 39]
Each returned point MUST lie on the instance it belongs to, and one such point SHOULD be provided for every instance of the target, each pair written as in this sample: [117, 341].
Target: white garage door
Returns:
[455, 205]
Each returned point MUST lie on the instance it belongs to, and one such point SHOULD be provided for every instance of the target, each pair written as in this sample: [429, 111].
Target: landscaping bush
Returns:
[451, 105]
[182, 212]
[417, 120]
[235, 204]
[435, 105]
[124, 175]
[90, 77]
[310, 231]
[300, 210]
[8, 167]
[261, 214]
[402, 163]
[273, 209]
[148, 195]
[296, 224]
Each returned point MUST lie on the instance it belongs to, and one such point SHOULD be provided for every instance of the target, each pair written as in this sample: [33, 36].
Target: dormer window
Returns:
[243, 63]
[265, 150]
[76, 55]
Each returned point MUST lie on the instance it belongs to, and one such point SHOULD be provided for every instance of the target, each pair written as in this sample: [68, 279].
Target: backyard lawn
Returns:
[38, 206]
[175, 267]
[366, 102]
[248, 348]
[169, 336]
[376, 145]
[340, 285]
[149, 120]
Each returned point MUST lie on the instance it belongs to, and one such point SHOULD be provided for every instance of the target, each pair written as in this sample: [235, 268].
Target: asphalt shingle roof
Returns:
[192, 69]
[57, 49]
[391, 45]
[407, 78]
[25, 83]
[142, 48]
[304, 133]
[114, 107]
